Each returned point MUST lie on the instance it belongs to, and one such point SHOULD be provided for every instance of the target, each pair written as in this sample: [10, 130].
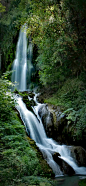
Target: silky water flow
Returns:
[33, 124]
[47, 146]
[22, 65]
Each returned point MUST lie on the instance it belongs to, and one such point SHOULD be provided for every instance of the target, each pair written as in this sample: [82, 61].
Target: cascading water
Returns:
[47, 146]
[53, 147]
[36, 131]
[29, 59]
[22, 66]
[20, 62]
[34, 126]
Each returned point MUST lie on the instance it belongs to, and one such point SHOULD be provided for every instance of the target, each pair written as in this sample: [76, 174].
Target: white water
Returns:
[30, 66]
[22, 66]
[47, 146]
[34, 126]
[20, 62]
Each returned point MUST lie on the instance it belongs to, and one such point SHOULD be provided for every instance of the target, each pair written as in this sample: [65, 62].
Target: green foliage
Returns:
[56, 27]
[46, 27]
[19, 162]
[82, 182]
[6, 100]
[29, 103]
[10, 23]
[17, 157]
[2, 8]
[25, 95]
[71, 115]
[71, 97]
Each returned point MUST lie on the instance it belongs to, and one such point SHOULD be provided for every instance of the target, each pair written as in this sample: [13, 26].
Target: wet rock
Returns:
[60, 124]
[31, 94]
[28, 102]
[54, 122]
[65, 168]
[79, 154]
[46, 169]
[32, 102]
[47, 119]
[40, 99]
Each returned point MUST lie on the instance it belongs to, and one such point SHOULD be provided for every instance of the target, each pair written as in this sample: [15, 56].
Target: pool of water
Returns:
[69, 180]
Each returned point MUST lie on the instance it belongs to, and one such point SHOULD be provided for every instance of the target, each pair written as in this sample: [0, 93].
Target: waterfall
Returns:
[29, 59]
[48, 147]
[22, 66]
[36, 131]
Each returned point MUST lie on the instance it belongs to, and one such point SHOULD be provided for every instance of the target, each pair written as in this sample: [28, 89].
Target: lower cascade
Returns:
[47, 146]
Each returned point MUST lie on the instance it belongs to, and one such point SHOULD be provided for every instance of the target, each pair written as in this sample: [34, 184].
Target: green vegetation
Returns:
[11, 20]
[19, 162]
[2, 8]
[58, 32]
[56, 28]
[82, 182]
[71, 97]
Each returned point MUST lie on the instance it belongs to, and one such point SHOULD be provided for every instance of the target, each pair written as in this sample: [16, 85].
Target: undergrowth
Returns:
[82, 182]
[71, 97]
[19, 163]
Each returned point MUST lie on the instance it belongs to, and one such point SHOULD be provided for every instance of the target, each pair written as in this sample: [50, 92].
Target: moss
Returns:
[82, 182]
[71, 98]
[17, 157]
[27, 102]
[45, 169]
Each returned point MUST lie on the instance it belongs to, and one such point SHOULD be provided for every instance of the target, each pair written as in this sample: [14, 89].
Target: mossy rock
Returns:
[24, 95]
[46, 170]
[27, 102]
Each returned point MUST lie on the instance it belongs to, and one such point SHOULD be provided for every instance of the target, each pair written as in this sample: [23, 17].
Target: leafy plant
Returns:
[71, 99]
[18, 160]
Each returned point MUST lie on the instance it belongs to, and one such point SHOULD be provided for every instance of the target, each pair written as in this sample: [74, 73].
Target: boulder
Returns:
[31, 94]
[65, 168]
[79, 154]
[60, 124]
[54, 122]
[47, 120]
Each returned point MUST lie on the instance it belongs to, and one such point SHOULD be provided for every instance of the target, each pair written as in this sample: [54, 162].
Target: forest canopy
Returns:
[58, 28]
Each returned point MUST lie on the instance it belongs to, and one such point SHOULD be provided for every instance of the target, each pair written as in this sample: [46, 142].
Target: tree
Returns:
[53, 27]
[2, 8]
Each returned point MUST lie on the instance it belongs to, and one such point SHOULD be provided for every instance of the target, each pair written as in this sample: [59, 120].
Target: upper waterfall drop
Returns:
[29, 62]
[20, 64]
